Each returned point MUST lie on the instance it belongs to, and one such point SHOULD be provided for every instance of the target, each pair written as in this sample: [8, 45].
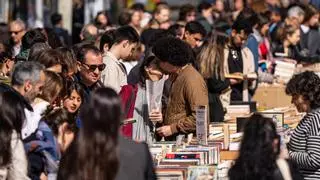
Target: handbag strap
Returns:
[284, 169]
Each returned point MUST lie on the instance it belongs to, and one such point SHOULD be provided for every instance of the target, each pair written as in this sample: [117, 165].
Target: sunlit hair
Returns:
[52, 86]
[211, 56]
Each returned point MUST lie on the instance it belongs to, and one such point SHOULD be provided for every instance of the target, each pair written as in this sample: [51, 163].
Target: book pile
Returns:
[189, 173]
[190, 159]
[315, 67]
[234, 111]
[284, 70]
[291, 117]
[216, 130]
[173, 161]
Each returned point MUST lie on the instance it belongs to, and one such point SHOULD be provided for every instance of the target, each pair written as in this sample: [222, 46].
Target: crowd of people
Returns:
[64, 104]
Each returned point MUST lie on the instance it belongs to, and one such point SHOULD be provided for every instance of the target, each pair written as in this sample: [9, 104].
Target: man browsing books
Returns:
[239, 62]
[188, 89]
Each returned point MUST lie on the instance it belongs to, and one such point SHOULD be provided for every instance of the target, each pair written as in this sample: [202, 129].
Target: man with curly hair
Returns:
[189, 90]
[305, 141]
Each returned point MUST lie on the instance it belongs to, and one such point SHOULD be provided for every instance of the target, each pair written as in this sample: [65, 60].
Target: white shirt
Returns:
[305, 29]
[129, 65]
[16, 49]
[114, 75]
[33, 118]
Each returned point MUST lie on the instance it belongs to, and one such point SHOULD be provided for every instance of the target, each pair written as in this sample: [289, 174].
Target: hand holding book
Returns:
[155, 116]
[240, 77]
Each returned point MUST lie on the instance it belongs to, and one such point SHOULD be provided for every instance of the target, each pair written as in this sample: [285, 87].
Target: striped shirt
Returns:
[304, 145]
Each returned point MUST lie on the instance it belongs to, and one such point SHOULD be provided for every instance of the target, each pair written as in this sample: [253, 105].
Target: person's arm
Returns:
[309, 159]
[18, 168]
[300, 57]
[216, 85]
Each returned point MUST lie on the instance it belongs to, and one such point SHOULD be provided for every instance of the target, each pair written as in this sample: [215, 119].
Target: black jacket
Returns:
[295, 53]
[135, 161]
[215, 88]
[309, 43]
[5, 88]
[63, 35]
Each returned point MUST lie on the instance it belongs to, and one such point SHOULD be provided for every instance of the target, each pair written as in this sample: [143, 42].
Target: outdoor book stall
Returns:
[210, 158]
[210, 153]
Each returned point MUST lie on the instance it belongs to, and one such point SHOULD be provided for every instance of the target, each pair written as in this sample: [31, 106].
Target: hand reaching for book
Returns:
[164, 131]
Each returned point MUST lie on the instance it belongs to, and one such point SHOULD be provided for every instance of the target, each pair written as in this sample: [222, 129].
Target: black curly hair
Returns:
[306, 84]
[174, 51]
[257, 158]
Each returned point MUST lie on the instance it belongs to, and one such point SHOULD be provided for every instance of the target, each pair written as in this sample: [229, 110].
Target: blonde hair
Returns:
[160, 7]
[211, 57]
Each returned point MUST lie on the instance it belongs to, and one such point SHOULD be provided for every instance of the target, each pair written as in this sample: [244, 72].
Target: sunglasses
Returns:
[15, 32]
[93, 67]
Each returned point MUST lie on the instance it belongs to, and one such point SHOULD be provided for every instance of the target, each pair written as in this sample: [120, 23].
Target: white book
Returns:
[202, 124]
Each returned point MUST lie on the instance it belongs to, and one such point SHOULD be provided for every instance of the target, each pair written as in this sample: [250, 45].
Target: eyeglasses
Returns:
[15, 32]
[93, 67]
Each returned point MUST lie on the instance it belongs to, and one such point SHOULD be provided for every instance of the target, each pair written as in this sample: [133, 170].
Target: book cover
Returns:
[202, 124]
[201, 172]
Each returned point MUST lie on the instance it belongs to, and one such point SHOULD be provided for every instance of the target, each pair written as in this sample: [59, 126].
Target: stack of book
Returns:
[291, 117]
[192, 160]
[184, 162]
[284, 70]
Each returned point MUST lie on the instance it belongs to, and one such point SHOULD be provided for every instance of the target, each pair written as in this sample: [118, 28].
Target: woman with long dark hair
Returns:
[13, 162]
[259, 153]
[99, 153]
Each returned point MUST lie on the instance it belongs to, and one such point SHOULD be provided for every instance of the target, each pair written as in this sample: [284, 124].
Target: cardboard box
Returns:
[268, 97]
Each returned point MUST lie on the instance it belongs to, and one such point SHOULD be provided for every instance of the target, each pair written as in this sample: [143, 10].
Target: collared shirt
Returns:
[257, 35]
[305, 29]
[33, 118]
[16, 49]
[115, 74]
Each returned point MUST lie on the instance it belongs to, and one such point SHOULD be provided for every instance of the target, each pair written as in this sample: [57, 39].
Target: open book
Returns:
[241, 76]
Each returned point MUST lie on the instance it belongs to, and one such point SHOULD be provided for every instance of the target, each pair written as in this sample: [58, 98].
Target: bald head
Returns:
[89, 32]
